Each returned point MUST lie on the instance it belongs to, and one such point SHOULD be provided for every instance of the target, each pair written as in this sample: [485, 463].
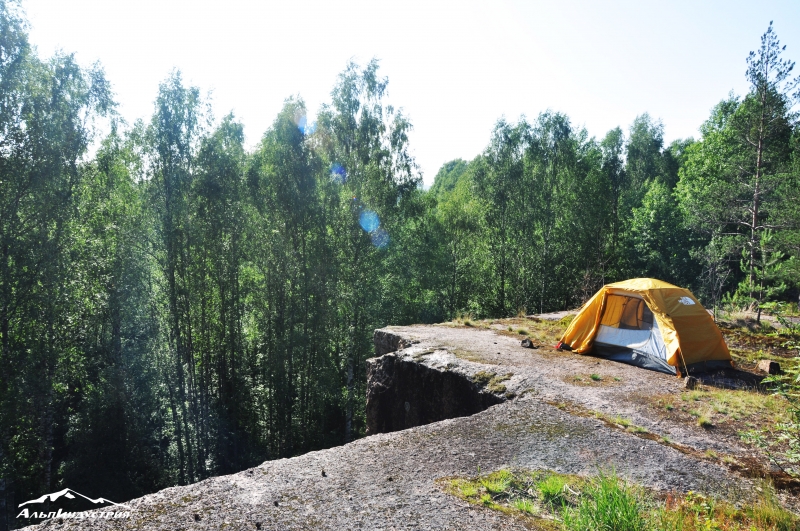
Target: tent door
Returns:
[629, 333]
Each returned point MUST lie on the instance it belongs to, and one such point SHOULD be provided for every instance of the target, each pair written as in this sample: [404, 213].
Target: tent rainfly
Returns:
[649, 323]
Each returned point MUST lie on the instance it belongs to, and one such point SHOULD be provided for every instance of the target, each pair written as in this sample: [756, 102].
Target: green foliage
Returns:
[783, 444]
[498, 482]
[736, 184]
[552, 489]
[607, 503]
[448, 177]
[764, 284]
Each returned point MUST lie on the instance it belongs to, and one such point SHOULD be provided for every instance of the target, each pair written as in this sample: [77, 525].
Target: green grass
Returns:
[566, 320]
[525, 505]
[595, 377]
[482, 377]
[704, 422]
[498, 482]
[711, 407]
[552, 490]
[608, 502]
[622, 421]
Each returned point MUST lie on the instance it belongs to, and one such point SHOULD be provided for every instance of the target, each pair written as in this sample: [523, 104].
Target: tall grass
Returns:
[607, 504]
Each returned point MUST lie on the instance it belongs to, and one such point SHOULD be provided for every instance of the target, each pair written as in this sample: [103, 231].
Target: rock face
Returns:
[404, 391]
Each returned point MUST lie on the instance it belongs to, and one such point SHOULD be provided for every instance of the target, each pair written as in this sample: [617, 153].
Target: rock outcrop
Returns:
[406, 389]
[527, 409]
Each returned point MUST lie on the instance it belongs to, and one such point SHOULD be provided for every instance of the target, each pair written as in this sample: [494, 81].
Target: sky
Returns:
[454, 67]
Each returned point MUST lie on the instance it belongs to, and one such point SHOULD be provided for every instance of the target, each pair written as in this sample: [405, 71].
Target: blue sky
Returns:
[455, 67]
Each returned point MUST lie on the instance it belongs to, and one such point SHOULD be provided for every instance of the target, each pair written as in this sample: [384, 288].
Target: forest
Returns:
[174, 305]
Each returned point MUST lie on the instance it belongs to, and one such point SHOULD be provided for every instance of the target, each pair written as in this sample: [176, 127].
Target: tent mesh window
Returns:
[627, 313]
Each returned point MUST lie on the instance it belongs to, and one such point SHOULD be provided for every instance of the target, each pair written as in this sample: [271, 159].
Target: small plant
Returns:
[607, 503]
[482, 377]
[498, 482]
[467, 489]
[595, 377]
[523, 332]
[491, 381]
[704, 422]
[622, 421]
[669, 407]
[552, 490]
[524, 505]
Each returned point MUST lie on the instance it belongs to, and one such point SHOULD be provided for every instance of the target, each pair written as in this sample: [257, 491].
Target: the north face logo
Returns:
[686, 300]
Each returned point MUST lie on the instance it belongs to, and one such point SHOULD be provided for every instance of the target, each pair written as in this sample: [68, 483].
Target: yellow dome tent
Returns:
[649, 323]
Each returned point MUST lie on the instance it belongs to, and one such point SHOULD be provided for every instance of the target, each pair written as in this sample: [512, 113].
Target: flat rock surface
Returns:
[393, 480]
[561, 377]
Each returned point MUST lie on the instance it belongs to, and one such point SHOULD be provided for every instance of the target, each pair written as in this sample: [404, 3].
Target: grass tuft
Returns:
[552, 490]
[607, 503]
[622, 421]
[498, 482]
[704, 422]
[482, 377]
[525, 505]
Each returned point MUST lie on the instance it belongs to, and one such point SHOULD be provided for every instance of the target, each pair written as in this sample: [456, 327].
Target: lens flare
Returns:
[338, 173]
[369, 220]
[380, 238]
[305, 127]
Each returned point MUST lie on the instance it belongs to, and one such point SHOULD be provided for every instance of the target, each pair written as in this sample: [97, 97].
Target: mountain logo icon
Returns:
[71, 494]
